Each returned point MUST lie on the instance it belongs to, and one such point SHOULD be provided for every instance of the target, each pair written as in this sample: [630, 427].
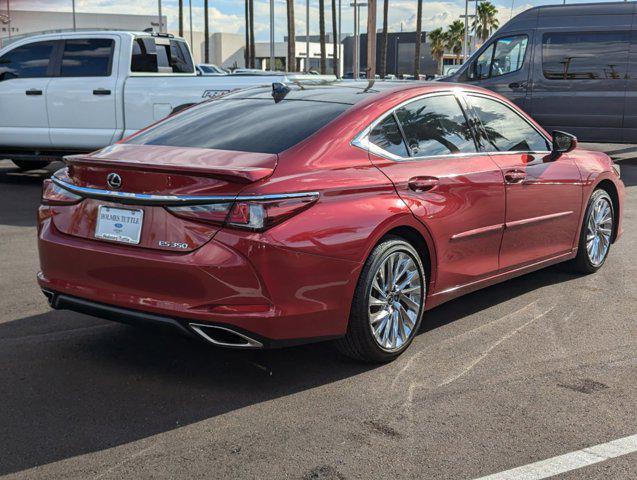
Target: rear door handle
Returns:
[516, 85]
[515, 176]
[422, 184]
[33, 91]
[101, 91]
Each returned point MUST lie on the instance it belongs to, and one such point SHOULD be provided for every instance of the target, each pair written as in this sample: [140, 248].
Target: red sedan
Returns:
[281, 215]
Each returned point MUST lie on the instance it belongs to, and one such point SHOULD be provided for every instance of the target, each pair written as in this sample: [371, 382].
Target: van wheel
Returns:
[388, 303]
[30, 165]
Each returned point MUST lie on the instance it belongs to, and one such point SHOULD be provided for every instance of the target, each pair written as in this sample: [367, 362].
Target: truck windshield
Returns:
[248, 125]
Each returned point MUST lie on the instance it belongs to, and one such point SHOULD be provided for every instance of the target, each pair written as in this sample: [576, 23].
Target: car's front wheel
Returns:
[388, 303]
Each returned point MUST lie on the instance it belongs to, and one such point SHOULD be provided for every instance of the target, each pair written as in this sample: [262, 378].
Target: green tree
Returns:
[455, 37]
[438, 42]
[485, 21]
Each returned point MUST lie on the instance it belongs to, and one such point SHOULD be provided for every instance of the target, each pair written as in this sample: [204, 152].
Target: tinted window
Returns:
[585, 55]
[87, 58]
[507, 58]
[435, 126]
[387, 136]
[27, 61]
[505, 130]
[247, 125]
[160, 56]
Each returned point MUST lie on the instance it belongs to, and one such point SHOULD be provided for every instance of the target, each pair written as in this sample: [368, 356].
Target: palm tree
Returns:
[455, 37]
[418, 39]
[247, 26]
[322, 35]
[181, 18]
[206, 32]
[485, 21]
[438, 42]
[291, 63]
[383, 42]
[252, 57]
[335, 42]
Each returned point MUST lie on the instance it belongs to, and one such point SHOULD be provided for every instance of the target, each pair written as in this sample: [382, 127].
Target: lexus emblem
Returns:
[114, 181]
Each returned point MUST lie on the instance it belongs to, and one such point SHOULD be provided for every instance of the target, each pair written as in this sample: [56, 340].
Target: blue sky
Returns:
[227, 15]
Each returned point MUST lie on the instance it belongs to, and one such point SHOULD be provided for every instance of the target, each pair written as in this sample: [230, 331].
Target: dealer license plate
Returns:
[119, 224]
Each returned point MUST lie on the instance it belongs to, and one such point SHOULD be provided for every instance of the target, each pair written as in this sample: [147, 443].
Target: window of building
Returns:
[585, 55]
[26, 61]
[87, 58]
[504, 130]
[435, 126]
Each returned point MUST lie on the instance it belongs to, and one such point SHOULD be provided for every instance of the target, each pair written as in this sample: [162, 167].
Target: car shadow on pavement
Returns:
[73, 384]
[628, 171]
[21, 193]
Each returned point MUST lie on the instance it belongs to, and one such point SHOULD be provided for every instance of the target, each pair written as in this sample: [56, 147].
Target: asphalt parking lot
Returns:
[524, 371]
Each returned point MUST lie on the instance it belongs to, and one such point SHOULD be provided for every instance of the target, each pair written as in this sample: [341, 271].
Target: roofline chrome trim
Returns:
[171, 200]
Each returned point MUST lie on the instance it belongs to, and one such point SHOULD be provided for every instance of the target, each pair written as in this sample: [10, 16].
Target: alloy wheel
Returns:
[599, 227]
[395, 301]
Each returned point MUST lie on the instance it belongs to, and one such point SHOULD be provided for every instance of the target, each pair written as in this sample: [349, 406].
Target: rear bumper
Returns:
[273, 294]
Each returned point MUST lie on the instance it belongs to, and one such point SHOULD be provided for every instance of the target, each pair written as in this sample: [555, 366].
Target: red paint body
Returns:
[296, 280]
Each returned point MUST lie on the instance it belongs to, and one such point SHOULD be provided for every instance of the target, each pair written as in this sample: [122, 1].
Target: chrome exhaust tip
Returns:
[50, 296]
[224, 337]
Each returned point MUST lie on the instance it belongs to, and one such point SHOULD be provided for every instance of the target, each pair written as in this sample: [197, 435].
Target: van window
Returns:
[435, 126]
[504, 130]
[27, 61]
[585, 55]
[505, 55]
[87, 58]
[160, 55]
[242, 124]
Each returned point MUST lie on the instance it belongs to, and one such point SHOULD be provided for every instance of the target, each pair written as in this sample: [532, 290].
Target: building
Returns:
[228, 50]
[401, 49]
[28, 22]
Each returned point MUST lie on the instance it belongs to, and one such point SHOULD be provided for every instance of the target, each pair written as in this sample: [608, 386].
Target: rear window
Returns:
[160, 55]
[247, 125]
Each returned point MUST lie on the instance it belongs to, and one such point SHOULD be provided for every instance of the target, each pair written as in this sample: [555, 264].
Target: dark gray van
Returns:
[572, 67]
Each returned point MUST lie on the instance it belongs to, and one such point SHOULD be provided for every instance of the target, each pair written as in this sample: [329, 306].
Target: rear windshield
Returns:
[248, 125]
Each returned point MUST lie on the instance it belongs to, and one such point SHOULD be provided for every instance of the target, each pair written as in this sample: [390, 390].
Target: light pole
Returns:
[272, 35]
[307, 36]
[191, 41]
[160, 15]
[465, 42]
[74, 25]
[357, 13]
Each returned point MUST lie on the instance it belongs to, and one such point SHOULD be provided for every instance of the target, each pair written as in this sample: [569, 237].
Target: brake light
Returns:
[258, 214]
[53, 194]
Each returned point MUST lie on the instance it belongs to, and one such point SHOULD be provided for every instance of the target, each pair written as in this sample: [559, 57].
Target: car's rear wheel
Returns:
[596, 234]
[29, 165]
[388, 303]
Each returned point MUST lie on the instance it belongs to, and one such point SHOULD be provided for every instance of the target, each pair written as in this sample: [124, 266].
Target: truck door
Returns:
[504, 66]
[81, 100]
[25, 72]
[580, 81]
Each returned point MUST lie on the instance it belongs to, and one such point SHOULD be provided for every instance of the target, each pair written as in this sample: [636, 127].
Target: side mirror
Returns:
[562, 143]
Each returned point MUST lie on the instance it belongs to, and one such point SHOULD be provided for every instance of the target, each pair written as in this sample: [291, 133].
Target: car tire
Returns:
[25, 165]
[400, 310]
[594, 228]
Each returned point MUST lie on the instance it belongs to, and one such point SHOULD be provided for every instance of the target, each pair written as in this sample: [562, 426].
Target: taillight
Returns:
[258, 214]
[53, 194]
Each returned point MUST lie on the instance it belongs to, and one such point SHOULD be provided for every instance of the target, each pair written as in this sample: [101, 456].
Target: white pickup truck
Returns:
[76, 92]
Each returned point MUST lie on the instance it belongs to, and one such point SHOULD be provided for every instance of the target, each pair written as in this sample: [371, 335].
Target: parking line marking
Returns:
[569, 461]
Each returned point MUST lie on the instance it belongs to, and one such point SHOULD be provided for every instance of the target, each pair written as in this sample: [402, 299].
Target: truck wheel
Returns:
[30, 165]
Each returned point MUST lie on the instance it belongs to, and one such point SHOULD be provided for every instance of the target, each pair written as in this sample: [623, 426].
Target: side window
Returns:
[181, 61]
[87, 58]
[585, 55]
[27, 61]
[387, 136]
[144, 58]
[505, 55]
[160, 55]
[504, 129]
[435, 126]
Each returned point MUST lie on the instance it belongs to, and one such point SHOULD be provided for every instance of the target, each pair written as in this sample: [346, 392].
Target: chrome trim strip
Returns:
[477, 231]
[250, 342]
[527, 221]
[171, 200]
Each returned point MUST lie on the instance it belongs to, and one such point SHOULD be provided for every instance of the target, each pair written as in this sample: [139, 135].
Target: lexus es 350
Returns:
[289, 214]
